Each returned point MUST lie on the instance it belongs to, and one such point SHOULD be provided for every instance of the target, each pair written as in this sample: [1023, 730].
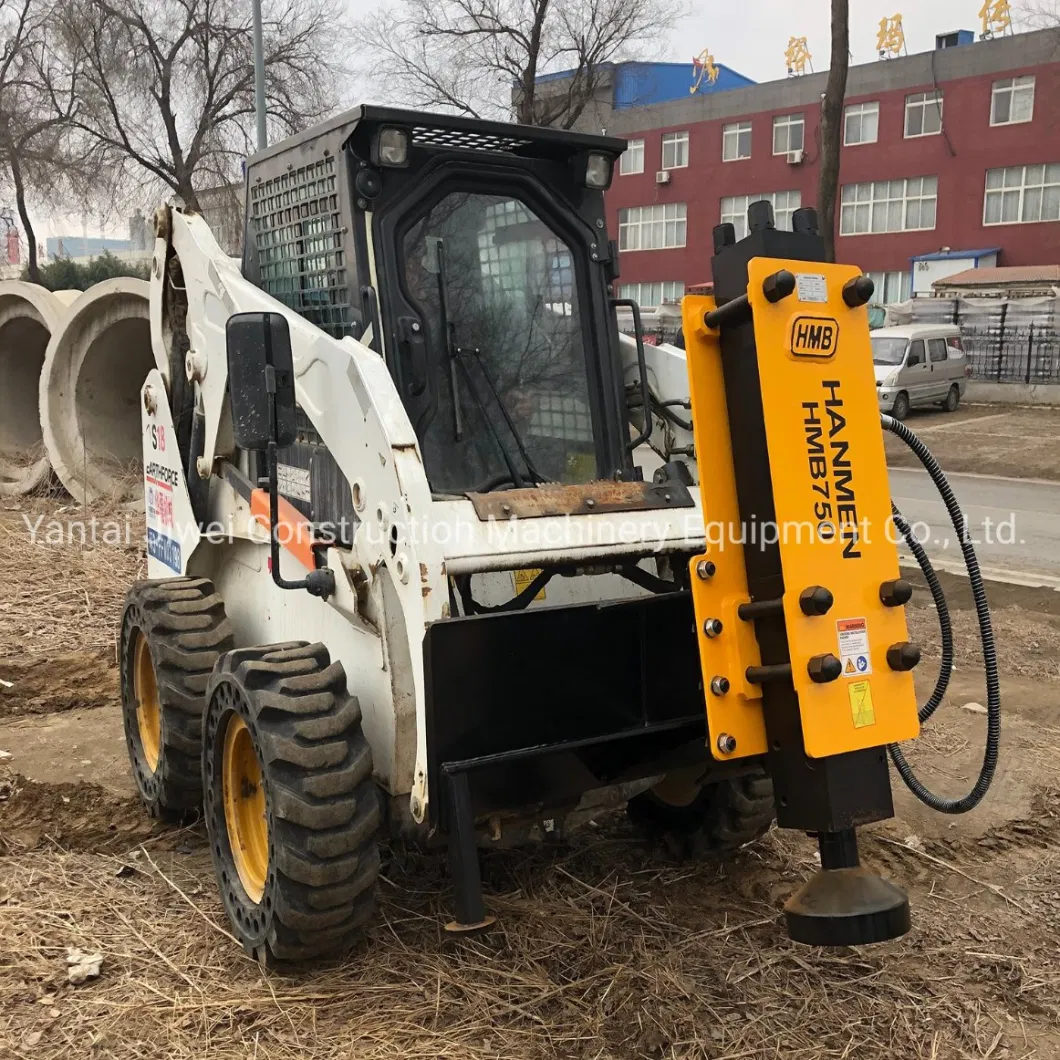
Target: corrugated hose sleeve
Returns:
[986, 636]
[946, 665]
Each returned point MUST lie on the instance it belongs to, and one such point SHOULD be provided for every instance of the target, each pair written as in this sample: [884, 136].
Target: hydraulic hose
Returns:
[945, 626]
[986, 636]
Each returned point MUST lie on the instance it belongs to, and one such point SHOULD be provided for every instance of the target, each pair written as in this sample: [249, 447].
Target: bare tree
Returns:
[483, 58]
[832, 124]
[1037, 14]
[169, 84]
[38, 105]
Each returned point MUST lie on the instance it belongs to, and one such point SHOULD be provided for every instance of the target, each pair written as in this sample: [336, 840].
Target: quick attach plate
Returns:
[832, 502]
[737, 712]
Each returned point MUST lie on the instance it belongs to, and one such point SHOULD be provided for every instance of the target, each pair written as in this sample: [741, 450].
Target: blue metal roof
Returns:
[946, 255]
[639, 84]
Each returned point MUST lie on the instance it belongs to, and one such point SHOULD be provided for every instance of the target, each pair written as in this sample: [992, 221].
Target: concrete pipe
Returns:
[90, 391]
[29, 316]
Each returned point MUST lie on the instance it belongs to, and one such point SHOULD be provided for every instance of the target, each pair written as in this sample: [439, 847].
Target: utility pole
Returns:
[832, 124]
[259, 75]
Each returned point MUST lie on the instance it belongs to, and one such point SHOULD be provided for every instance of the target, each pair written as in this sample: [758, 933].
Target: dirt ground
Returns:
[606, 948]
[987, 440]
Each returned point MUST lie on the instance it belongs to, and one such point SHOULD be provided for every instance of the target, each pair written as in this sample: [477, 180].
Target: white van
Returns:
[919, 364]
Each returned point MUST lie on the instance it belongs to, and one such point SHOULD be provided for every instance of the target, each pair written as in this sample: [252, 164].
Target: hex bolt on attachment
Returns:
[824, 668]
[858, 291]
[815, 600]
[895, 593]
[719, 685]
[903, 655]
[726, 743]
[705, 569]
[712, 627]
[778, 285]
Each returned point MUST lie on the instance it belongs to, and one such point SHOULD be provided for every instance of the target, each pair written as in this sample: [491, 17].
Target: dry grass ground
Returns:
[606, 948]
[986, 440]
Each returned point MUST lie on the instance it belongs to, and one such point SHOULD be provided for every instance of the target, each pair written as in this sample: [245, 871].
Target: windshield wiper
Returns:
[447, 332]
[477, 354]
[455, 356]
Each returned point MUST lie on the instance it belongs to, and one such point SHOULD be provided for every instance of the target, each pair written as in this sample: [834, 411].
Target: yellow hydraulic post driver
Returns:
[798, 600]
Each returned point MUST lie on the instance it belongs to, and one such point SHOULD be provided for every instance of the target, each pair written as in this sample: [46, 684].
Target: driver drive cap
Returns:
[847, 907]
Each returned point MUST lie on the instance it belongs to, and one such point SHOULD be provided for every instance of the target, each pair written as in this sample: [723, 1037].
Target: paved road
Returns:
[1014, 523]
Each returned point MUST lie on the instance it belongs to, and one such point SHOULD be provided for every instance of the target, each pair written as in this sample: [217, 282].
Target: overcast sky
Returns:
[750, 36]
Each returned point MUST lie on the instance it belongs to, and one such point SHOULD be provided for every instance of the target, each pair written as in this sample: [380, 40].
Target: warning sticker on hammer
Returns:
[854, 647]
[860, 693]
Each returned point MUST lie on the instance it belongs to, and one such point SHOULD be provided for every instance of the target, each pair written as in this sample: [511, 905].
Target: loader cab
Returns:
[474, 257]
[484, 263]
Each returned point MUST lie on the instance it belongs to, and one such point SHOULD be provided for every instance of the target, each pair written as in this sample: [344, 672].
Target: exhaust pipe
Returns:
[29, 316]
[90, 391]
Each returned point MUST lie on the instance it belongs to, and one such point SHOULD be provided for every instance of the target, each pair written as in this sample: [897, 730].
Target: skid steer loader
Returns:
[426, 538]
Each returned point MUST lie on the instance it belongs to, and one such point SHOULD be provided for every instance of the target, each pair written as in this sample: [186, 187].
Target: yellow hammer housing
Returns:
[802, 636]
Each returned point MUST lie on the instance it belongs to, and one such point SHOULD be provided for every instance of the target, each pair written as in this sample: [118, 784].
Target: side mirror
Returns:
[261, 380]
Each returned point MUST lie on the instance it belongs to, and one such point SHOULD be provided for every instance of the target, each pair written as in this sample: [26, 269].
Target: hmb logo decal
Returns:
[814, 336]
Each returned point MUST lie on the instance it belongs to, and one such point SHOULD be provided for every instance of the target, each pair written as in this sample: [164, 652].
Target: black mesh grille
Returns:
[468, 140]
[297, 231]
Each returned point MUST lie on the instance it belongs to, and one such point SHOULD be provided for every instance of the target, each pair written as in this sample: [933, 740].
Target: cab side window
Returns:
[937, 350]
[916, 353]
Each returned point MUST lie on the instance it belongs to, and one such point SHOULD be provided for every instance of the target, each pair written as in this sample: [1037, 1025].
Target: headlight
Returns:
[598, 170]
[891, 378]
[393, 147]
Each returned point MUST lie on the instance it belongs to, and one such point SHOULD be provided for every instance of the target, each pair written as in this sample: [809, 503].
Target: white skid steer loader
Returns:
[407, 572]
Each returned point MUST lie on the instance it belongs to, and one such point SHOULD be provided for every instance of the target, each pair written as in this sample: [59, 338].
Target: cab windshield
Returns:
[888, 350]
[496, 292]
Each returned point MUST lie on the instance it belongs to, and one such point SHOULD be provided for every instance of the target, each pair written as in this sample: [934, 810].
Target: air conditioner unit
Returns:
[795, 157]
[662, 177]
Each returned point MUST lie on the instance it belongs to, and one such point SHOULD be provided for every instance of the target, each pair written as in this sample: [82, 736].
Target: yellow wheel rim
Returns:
[148, 709]
[679, 788]
[244, 797]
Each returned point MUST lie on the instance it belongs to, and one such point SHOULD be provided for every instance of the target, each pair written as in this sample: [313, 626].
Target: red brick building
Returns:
[954, 151]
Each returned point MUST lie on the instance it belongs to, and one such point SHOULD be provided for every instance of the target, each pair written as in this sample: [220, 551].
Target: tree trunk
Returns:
[187, 193]
[832, 124]
[32, 268]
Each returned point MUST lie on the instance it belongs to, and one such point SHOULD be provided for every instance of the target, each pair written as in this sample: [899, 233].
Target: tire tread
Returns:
[325, 814]
[726, 814]
[187, 631]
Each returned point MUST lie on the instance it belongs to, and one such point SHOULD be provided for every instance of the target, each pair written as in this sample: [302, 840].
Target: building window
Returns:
[675, 150]
[651, 295]
[1012, 100]
[736, 141]
[734, 209]
[632, 160]
[891, 286]
[888, 206]
[1022, 195]
[861, 123]
[923, 114]
[652, 227]
[787, 133]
